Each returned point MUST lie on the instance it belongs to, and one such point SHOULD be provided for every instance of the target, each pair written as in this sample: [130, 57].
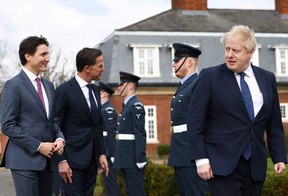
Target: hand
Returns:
[204, 171]
[47, 149]
[65, 171]
[104, 164]
[59, 146]
[141, 165]
[279, 168]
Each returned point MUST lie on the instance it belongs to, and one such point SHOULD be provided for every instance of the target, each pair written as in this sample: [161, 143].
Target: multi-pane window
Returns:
[151, 123]
[146, 60]
[281, 53]
[284, 111]
[255, 57]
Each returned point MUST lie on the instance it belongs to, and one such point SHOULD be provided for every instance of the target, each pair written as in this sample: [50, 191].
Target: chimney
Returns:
[195, 5]
[281, 6]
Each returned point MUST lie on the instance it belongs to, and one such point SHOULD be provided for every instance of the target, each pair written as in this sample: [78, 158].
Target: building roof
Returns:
[212, 20]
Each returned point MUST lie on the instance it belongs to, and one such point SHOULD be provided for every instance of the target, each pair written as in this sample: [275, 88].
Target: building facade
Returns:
[145, 49]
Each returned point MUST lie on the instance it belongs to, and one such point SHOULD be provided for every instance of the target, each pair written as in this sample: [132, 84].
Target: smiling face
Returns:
[38, 62]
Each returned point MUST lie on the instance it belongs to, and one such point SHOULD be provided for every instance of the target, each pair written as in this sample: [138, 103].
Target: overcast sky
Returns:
[74, 24]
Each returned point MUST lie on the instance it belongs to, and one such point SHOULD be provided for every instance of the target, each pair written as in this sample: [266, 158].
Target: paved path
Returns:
[6, 183]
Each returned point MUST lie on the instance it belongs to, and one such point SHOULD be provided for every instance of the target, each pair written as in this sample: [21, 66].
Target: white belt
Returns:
[179, 128]
[125, 137]
[105, 133]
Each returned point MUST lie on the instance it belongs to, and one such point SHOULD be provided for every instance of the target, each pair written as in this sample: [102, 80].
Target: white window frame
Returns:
[152, 119]
[173, 51]
[255, 57]
[284, 106]
[150, 60]
[281, 63]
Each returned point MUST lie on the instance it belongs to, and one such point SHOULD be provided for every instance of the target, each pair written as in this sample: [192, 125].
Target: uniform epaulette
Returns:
[138, 103]
[109, 108]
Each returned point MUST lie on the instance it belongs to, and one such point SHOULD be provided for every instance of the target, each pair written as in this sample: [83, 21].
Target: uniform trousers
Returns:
[189, 183]
[134, 181]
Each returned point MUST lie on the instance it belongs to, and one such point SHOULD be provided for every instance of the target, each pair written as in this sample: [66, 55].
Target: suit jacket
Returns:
[131, 121]
[83, 134]
[24, 121]
[179, 148]
[219, 124]
[110, 126]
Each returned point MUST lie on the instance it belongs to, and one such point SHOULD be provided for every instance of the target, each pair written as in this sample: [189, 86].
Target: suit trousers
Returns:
[33, 183]
[83, 181]
[238, 183]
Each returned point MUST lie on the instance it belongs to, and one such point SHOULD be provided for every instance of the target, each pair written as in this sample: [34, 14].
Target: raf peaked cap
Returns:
[182, 50]
[106, 88]
[128, 77]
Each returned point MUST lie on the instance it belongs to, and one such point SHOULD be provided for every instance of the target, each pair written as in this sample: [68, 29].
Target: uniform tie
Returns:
[40, 93]
[249, 106]
[93, 106]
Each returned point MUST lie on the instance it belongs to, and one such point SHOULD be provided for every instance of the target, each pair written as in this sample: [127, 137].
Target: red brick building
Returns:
[144, 49]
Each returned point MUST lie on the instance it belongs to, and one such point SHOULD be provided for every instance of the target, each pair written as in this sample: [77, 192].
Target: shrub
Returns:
[163, 149]
[276, 185]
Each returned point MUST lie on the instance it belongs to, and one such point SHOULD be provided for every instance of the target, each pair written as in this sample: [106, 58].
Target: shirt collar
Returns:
[80, 81]
[186, 77]
[30, 75]
[248, 72]
[128, 98]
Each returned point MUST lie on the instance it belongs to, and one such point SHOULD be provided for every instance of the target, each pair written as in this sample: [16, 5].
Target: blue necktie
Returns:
[93, 106]
[247, 96]
[249, 106]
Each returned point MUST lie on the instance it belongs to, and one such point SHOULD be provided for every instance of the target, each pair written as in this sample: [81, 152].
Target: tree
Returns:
[59, 67]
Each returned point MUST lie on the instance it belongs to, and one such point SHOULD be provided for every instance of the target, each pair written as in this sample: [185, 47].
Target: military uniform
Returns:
[130, 148]
[109, 117]
[188, 181]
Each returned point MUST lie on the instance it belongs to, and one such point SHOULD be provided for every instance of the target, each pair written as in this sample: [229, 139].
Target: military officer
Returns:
[109, 117]
[130, 151]
[185, 65]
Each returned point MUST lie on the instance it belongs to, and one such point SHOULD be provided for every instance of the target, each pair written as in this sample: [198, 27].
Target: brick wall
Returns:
[161, 100]
[199, 5]
[281, 6]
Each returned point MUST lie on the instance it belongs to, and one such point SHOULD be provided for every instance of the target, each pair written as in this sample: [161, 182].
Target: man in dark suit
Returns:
[232, 106]
[109, 133]
[185, 65]
[78, 111]
[130, 150]
[27, 102]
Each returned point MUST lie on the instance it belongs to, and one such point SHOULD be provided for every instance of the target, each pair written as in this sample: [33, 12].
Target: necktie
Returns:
[93, 106]
[247, 96]
[249, 106]
[40, 93]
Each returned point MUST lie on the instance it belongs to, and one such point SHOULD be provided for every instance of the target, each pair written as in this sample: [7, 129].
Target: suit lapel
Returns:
[78, 93]
[31, 89]
[230, 80]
